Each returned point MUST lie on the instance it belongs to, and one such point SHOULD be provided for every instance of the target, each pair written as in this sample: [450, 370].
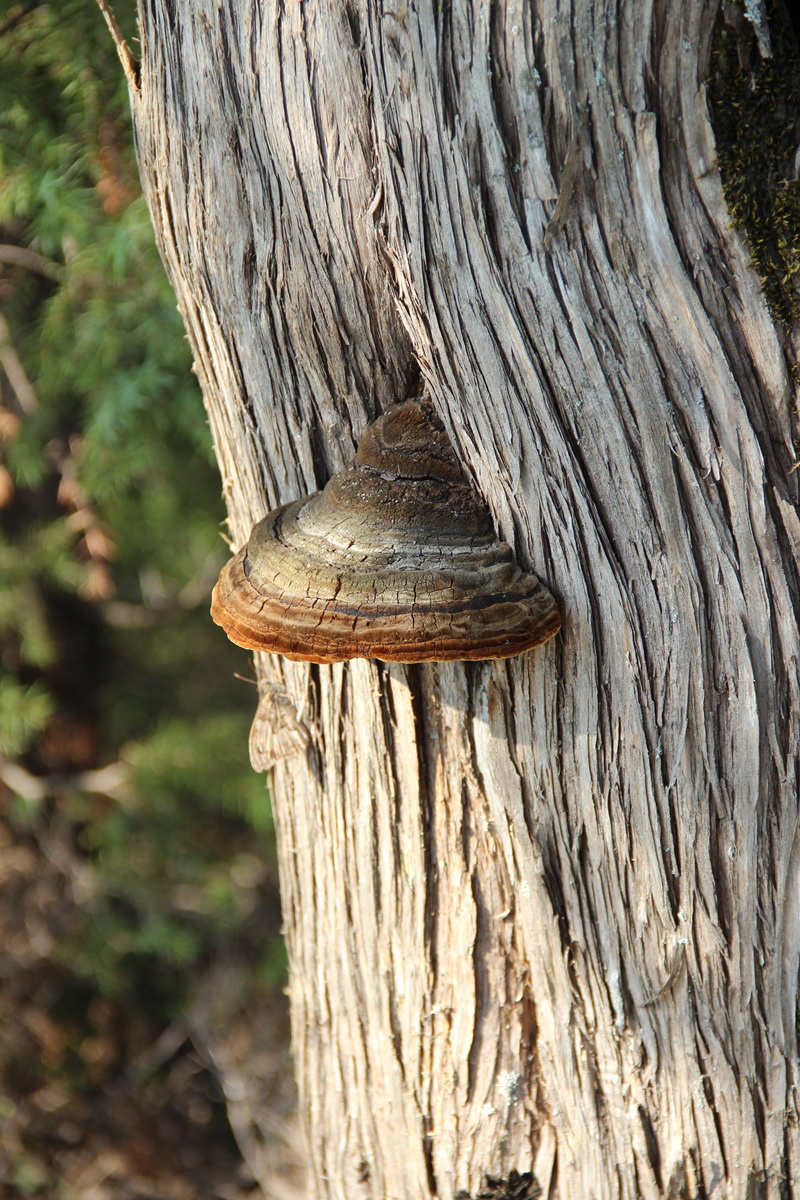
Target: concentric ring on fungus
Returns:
[395, 559]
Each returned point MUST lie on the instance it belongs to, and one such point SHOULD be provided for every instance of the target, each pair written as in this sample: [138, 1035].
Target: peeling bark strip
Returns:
[543, 915]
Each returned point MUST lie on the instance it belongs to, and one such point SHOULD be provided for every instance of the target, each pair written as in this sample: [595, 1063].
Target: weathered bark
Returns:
[542, 915]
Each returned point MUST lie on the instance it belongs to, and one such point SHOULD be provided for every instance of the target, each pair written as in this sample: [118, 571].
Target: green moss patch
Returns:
[756, 107]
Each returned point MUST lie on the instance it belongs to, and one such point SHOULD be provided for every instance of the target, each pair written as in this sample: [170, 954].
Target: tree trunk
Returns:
[543, 915]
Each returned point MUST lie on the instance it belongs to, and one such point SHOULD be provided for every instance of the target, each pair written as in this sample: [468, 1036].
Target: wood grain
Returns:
[542, 914]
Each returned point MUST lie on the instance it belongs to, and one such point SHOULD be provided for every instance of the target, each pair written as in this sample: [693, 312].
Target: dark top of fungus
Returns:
[395, 559]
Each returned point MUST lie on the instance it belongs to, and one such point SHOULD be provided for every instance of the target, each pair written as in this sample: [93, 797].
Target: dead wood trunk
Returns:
[543, 916]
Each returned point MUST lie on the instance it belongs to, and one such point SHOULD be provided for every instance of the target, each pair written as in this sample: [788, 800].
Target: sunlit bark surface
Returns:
[543, 915]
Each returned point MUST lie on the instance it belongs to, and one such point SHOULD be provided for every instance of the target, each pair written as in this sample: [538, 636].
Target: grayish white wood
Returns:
[542, 915]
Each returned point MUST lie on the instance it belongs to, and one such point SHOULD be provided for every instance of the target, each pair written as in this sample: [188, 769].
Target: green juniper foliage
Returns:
[110, 533]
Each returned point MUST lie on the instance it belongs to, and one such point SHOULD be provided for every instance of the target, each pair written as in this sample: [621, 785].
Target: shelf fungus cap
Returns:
[396, 559]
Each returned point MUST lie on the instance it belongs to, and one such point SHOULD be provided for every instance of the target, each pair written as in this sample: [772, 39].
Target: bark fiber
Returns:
[543, 915]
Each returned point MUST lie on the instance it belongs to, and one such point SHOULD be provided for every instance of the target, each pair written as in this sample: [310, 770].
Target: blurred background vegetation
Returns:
[138, 905]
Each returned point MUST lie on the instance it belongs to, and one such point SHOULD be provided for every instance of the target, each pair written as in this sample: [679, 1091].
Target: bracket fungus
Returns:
[395, 559]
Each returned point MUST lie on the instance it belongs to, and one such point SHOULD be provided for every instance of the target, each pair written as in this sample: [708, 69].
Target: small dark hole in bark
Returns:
[363, 1172]
[520, 1185]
